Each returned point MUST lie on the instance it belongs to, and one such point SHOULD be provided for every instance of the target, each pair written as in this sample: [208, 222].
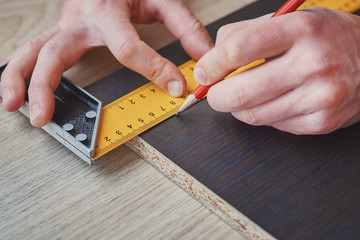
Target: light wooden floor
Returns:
[48, 193]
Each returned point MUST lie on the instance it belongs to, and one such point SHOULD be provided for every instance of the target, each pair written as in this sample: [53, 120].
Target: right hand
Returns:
[310, 82]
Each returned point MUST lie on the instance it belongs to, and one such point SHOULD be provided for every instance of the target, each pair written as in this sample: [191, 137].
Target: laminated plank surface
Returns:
[47, 192]
[294, 187]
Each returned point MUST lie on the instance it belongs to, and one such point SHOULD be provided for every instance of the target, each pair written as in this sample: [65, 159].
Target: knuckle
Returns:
[235, 50]
[51, 48]
[237, 99]
[333, 97]
[321, 63]
[224, 30]
[39, 87]
[196, 26]
[211, 61]
[308, 23]
[249, 116]
[125, 51]
[323, 124]
[33, 45]
[35, 88]
[158, 71]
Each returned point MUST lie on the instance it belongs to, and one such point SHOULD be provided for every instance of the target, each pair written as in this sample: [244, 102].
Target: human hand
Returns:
[86, 24]
[310, 82]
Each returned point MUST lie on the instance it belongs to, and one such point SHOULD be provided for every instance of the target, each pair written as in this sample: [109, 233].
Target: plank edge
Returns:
[197, 190]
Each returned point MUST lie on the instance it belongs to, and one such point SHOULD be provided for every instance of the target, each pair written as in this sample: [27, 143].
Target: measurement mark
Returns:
[147, 105]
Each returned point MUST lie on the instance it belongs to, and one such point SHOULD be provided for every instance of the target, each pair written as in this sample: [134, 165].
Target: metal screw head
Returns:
[68, 127]
[90, 115]
[81, 137]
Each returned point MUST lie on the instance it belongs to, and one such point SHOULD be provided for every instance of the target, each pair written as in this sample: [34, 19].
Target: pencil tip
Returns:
[190, 100]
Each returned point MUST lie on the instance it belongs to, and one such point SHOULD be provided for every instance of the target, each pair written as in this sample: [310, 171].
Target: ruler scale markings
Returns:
[138, 111]
[147, 106]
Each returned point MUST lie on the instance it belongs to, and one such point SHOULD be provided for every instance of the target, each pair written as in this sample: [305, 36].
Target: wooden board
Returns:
[47, 192]
[295, 187]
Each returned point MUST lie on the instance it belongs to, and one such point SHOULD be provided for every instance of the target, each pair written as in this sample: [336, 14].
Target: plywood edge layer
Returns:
[197, 190]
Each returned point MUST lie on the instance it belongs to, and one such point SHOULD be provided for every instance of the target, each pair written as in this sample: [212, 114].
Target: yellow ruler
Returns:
[341, 5]
[147, 106]
[138, 111]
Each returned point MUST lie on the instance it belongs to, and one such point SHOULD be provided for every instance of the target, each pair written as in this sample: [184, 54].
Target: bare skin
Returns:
[87, 24]
[310, 83]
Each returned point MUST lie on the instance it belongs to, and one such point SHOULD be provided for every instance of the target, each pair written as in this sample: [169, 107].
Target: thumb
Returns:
[186, 27]
[265, 38]
[125, 44]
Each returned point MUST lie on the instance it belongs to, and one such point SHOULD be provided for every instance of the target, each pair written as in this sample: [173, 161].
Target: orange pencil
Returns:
[201, 91]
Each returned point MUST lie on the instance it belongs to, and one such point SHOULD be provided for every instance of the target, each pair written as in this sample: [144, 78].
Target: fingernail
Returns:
[174, 88]
[7, 96]
[35, 111]
[200, 75]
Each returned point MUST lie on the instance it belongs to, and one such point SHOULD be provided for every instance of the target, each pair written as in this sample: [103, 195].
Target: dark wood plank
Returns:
[298, 186]
[295, 187]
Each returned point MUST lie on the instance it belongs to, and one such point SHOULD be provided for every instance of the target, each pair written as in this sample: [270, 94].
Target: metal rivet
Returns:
[81, 137]
[68, 127]
[90, 115]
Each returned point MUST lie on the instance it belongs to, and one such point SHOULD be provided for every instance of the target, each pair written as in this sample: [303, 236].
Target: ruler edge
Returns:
[160, 162]
[179, 65]
[138, 131]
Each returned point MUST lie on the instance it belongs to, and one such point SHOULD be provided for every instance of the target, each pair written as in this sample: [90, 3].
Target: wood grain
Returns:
[295, 187]
[48, 193]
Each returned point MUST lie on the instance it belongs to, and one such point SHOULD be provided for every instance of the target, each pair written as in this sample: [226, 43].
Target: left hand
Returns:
[310, 82]
[87, 24]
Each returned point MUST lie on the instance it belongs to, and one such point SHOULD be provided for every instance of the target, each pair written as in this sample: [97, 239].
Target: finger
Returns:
[186, 27]
[321, 122]
[224, 31]
[309, 124]
[277, 110]
[58, 54]
[126, 46]
[307, 99]
[265, 39]
[19, 70]
[253, 87]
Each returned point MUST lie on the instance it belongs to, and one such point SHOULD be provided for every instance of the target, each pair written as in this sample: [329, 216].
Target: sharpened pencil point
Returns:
[190, 100]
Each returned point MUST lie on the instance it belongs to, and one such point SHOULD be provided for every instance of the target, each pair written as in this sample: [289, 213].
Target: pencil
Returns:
[201, 91]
